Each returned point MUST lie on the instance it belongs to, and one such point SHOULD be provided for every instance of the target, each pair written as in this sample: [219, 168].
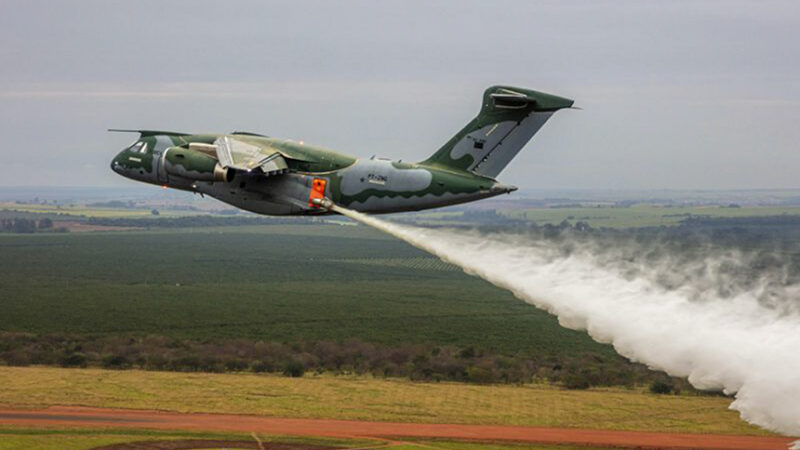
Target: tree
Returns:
[23, 226]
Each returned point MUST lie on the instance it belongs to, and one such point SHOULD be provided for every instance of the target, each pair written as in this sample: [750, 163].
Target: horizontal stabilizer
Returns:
[509, 99]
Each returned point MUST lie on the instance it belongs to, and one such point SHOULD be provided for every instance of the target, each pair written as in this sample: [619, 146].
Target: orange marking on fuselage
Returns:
[317, 191]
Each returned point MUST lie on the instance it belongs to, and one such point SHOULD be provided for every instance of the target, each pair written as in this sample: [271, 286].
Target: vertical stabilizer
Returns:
[508, 119]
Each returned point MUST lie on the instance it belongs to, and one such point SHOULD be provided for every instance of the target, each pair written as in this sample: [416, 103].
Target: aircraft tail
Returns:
[508, 119]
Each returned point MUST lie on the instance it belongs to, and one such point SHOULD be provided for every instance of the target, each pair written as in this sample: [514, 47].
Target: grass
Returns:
[370, 399]
[274, 283]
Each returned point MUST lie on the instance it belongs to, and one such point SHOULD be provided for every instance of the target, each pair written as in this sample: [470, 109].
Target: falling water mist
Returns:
[690, 317]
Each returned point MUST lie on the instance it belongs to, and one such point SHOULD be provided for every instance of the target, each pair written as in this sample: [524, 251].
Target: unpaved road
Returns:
[120, 418]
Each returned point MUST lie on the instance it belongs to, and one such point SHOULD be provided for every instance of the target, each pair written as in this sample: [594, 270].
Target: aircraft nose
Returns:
[115, 165]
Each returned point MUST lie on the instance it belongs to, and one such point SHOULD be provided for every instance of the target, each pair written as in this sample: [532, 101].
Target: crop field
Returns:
[273, 283]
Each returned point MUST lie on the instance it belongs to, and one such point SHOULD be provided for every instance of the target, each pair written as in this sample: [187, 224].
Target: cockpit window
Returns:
[136, 147]
[139, 147]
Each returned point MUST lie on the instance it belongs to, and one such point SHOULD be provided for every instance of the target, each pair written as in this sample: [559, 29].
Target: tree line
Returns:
[420, 362]
[197, 221]
[22, 225]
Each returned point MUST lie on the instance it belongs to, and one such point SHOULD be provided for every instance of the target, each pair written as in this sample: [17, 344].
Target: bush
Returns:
[155, 362]
[235, 365]
[261, 366]
[468, 352]
[186, 364]
[74, 360]
[16, 358]
[479, 375]
[115, 362]
[661, 387]
[576, 380]
[294, 369]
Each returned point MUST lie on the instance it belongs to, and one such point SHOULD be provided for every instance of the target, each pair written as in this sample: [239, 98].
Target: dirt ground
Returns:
[99, 417]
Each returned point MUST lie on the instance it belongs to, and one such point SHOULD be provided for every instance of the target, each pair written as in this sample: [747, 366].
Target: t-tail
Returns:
[508, 119]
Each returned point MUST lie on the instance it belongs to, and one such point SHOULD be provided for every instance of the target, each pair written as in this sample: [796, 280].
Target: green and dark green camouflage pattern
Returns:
[280, 177]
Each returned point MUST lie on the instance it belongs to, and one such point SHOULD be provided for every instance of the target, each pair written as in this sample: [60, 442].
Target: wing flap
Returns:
[247, 157]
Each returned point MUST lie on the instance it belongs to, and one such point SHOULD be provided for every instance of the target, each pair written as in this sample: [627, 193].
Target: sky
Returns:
[675, 94]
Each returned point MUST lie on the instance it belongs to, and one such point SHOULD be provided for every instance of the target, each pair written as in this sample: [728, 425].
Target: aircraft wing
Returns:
[247, 157]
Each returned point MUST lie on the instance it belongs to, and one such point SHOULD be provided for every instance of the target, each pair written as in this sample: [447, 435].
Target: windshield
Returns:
[138, 147]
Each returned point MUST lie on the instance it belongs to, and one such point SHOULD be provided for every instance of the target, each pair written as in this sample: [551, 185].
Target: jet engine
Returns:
[194, 165]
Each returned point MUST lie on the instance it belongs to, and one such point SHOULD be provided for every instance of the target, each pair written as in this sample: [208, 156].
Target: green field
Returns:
[642, 215]
[273, 283]
[92, 211]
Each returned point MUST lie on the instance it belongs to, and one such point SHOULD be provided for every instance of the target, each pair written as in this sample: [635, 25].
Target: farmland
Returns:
[359, 311]
[83, 211]
[327, 297]
[268, 283]
[640, 215]
[361, 398]
[344, 299]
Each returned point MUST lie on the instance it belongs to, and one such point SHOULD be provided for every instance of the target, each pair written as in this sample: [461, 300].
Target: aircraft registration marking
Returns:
[377, 179]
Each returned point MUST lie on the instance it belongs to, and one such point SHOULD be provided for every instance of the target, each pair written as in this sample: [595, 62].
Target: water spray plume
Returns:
[734, 342]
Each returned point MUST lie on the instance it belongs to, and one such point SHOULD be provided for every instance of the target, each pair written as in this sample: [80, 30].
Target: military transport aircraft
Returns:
[281, 177]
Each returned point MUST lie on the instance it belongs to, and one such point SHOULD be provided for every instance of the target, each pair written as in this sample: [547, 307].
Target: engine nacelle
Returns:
[194, 165]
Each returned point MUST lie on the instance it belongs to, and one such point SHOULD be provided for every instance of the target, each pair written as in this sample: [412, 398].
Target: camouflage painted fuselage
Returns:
[279, 177]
